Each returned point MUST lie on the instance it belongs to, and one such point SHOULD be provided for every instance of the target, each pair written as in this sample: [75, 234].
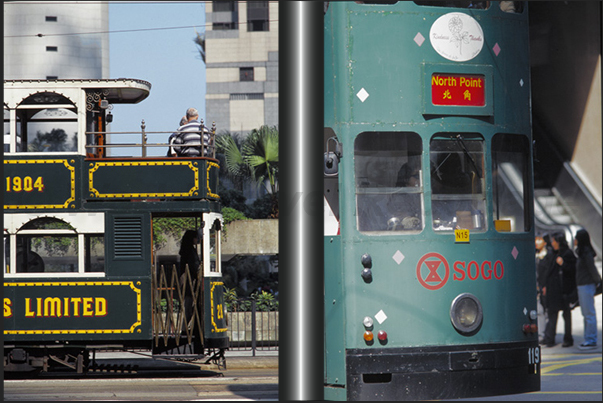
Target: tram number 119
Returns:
[534, 355]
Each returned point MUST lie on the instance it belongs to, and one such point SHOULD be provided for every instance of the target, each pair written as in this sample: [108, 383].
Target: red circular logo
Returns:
[433, 262]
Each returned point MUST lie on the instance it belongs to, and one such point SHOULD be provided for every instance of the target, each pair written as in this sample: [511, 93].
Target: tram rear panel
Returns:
[429, 265]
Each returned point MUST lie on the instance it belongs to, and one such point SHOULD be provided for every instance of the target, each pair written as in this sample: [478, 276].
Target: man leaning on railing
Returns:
[186, 142]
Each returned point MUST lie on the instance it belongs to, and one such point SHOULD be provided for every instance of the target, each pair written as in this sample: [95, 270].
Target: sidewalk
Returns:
[577, 333]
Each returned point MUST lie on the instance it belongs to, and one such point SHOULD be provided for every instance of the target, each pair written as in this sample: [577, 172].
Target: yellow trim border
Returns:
[81, 331]
[45, 206]
[211, 297]
[93, 192]
[209, 166]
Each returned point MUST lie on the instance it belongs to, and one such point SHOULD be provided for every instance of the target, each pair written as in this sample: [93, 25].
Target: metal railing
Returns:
[252, 329]
[208, 150]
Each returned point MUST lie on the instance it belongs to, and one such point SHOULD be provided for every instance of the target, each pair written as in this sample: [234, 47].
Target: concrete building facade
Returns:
[50, 40]
[241, 46]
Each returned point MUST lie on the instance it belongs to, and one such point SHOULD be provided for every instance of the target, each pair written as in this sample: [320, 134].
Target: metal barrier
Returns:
[252, 329]
[144, 144]
[172, 321]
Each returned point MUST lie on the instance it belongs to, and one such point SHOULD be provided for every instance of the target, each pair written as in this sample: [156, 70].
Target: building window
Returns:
[257, 16]
[225, 15]
[246, 74]
[52, 77]
[50, 18]
[52, 49]
[246, 96]
[223, 6]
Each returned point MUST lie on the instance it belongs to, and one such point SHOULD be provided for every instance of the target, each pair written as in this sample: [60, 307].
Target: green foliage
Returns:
[264, 207]
[233, 198]
[253, 158]
[260, 152]
[264, 301]
[164, 306]
[230, 214]
[174, 227]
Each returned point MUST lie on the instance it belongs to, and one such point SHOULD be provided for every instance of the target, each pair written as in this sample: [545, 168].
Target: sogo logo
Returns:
[433, 270]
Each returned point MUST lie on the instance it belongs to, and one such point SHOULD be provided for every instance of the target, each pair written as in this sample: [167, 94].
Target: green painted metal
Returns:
[63, 309]
[374, 49]
[215, 326]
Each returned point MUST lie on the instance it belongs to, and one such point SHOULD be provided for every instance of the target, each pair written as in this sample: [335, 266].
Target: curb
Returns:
[248, 363]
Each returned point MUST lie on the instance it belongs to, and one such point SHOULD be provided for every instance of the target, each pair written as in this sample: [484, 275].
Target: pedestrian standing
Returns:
[559, 282]
[587, 279]
[544, 256]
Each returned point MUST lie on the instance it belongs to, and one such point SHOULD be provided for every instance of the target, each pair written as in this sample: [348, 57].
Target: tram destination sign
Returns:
[458, 89]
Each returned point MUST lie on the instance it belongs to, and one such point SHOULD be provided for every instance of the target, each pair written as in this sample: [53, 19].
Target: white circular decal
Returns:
[457, 37]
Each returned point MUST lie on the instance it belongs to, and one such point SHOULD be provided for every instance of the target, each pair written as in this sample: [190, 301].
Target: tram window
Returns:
[214, 248]
[47, 253]
[510, 181]
[50, 130]
[6, 130]
[457, 182]
[6, 253]
[389, 182]
[50, 245]
[47, 122]
[95, 253]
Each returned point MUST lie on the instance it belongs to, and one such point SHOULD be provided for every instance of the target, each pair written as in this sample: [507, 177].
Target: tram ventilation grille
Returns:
[128, 237]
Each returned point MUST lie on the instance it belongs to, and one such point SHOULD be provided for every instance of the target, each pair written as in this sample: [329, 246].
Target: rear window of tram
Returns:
[389, 181]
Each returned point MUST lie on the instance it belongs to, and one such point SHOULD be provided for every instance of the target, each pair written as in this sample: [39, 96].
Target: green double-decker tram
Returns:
[82, 267]
[429, 238]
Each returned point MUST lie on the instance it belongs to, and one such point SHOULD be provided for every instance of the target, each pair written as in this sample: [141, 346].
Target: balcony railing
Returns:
[100, 148]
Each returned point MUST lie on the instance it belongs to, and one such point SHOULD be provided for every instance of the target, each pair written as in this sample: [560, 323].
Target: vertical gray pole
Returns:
[301, 192]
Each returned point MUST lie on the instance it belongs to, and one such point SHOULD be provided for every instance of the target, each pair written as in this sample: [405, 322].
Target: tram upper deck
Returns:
[57, 150]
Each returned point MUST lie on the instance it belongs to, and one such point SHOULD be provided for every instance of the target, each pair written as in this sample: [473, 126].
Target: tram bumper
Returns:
[442, 372]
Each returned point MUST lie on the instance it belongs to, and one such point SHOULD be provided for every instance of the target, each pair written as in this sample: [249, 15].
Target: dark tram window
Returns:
[510, 175]
[95, 253]
[389, 182]
[457, 182]
[479, 5]
[246, 74]
[6, 130]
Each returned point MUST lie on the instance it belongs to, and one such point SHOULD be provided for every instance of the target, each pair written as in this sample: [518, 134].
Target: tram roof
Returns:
[120, 90]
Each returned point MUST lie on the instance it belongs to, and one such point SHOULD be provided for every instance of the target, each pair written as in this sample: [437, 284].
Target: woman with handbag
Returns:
[587, 279]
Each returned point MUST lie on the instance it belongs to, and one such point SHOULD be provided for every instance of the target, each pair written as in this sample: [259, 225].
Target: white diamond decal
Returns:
[521, 82]
[381, 316]
[515, 252]
[525, 311]
[496, 49]
[362, 95]
[398, 257]
[419, 39]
